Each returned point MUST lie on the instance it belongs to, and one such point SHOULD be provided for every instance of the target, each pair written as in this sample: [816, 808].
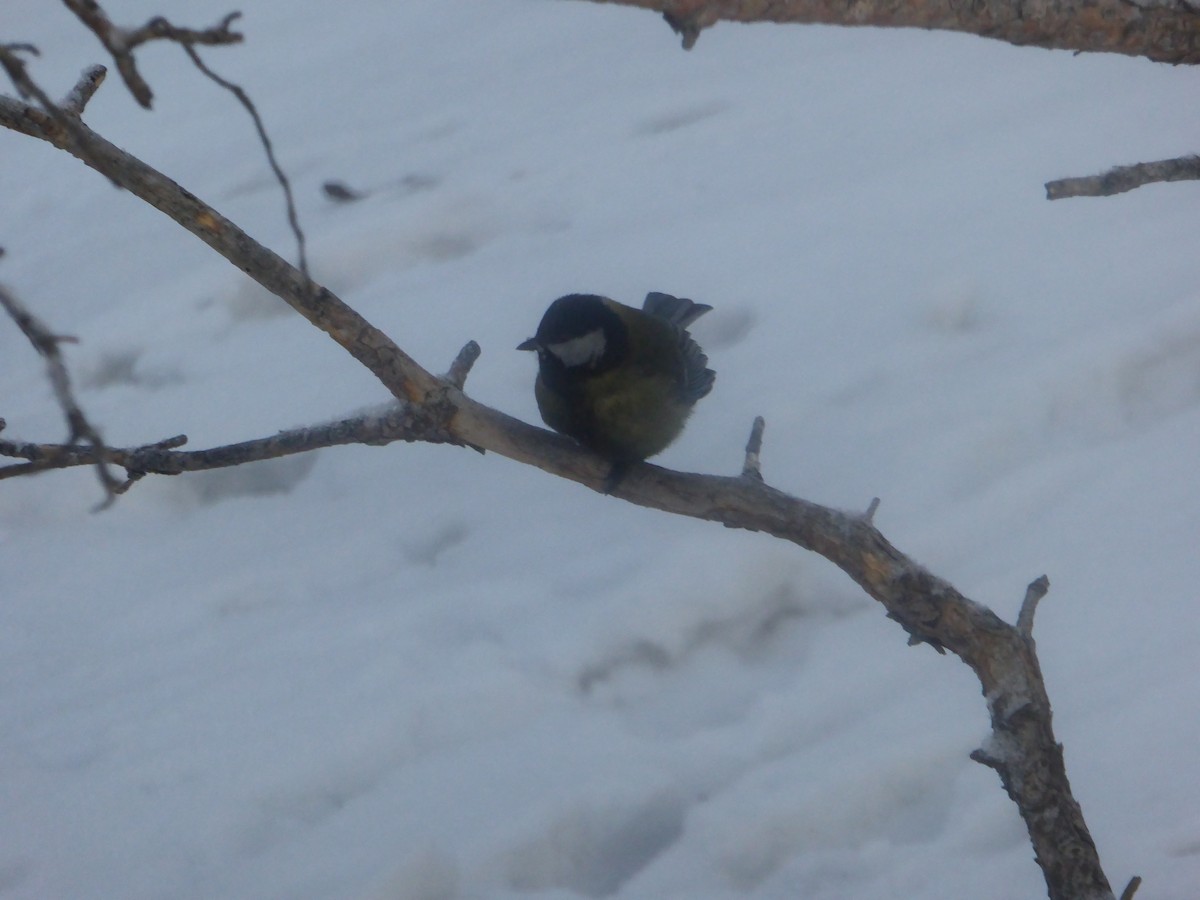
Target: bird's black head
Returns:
[580, 334]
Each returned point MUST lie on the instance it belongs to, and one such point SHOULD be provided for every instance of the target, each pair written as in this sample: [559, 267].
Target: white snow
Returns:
[418, 673]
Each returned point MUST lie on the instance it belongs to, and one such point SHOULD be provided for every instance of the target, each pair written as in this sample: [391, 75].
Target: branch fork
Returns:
[121, 42]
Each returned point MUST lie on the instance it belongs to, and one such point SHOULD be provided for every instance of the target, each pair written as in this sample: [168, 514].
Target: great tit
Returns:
[619, 380]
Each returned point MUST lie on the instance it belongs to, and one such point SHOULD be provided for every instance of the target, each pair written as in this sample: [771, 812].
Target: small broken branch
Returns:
[872, 508]
[69, 126]
[1036, 591]
[1125, 178]
[89, 82]
[689, 25]
[752, 467]
[461, 367]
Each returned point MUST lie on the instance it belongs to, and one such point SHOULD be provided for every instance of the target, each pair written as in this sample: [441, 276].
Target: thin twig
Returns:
[396, 422]
[78, 427]
[1125, 178]
[159, 28]
[244, 99]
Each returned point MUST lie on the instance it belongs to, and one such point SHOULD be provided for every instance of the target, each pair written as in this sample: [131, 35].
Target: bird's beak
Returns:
[530, 344]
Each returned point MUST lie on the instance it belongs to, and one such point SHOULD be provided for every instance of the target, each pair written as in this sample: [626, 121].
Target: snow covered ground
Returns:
[420, 673]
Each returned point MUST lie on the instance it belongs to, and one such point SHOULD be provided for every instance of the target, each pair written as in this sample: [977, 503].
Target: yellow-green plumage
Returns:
[617, 426]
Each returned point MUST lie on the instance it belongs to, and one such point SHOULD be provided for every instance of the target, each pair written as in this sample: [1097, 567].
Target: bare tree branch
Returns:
[1125, 178]
[121, 42]
[1023, 749]
[78, 427]
[1166, 31]
[398, 422]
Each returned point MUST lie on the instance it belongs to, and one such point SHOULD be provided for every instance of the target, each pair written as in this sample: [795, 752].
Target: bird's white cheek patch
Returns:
[581, 351]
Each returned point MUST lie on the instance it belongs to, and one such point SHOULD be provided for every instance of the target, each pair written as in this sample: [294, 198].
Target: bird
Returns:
[621, 381]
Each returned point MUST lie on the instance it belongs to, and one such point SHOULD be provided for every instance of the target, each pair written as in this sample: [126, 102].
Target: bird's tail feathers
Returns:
[679, 311]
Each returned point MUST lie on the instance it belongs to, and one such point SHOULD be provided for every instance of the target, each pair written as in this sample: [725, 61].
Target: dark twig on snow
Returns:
[243, 98]
[340, 192]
